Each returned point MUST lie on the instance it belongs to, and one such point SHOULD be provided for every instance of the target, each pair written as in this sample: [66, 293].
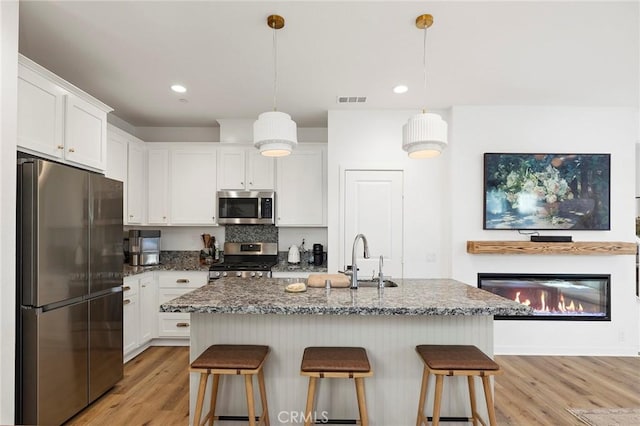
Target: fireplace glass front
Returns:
[554, 296]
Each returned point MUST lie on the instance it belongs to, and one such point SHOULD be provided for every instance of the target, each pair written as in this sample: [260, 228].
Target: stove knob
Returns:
[259, 274]
[238, 274]
[216, 274]
[224, 274]
[253, 274]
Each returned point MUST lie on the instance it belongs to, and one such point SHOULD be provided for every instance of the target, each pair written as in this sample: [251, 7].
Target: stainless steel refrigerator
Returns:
[69, 289]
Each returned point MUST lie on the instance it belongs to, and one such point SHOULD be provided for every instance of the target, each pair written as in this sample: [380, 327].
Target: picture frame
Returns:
[535, 191]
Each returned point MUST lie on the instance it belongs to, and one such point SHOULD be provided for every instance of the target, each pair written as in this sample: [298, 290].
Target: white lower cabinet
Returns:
[148, 296]
[139, 312]
[130, 315]
[172, 284]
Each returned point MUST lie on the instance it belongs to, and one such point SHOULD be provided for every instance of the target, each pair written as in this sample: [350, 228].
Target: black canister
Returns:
[318, 254]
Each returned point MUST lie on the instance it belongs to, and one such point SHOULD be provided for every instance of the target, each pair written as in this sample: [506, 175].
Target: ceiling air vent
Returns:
[351, 99]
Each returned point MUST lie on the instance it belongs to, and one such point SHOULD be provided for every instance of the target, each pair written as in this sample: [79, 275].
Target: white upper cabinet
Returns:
[192, 184]
[40, 114]
[136, 187]
[243, 168]
[117, 146]
[260, 170]
[157, 185]
[301, 190]
[85, 133]
[56, 120]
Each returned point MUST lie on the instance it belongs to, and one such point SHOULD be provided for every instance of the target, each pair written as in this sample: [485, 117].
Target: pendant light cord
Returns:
[275, 68]
[424, 68]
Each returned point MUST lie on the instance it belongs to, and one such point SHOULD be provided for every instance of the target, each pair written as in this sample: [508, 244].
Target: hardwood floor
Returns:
[534, 390]
[154, 391]
[537, 390]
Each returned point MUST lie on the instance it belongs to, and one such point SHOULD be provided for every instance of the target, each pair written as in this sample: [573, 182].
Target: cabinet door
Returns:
[193, 177]
[136, 184]
[301, 189]
[116, 157]
[157, 186]
[130, 315]
[149, 308]
[260, 171]
[85, 133]
[40, 114]
[231, 165]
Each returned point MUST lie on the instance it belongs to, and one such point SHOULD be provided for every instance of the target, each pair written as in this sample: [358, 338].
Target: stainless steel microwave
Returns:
[246, 207]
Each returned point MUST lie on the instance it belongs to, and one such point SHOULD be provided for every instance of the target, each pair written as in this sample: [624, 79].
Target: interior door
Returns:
[373, 207]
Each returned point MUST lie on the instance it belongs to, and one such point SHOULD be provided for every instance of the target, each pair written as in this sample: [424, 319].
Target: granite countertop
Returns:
[187, 264]
[411, 297]
[301, 267]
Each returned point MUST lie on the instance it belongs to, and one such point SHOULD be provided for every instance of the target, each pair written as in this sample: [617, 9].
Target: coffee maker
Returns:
[144, 247]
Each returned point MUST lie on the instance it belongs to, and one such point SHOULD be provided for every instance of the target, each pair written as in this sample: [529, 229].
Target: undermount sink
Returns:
[374, 283]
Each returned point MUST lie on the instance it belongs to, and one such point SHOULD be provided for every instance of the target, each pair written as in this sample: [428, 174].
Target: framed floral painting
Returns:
[547, 191]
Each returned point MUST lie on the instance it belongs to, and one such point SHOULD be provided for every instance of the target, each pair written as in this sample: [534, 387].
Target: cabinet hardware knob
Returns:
[60, 146]
[182, 324]
[130, 215]
[213, 217]
[126, 288]
[72, 150]
[182, 280]
[241, 183]
[126, 301]
[144, 286]
[164, 217]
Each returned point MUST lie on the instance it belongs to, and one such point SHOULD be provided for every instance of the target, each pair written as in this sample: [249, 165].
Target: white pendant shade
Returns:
[424, 135]
[275, 134]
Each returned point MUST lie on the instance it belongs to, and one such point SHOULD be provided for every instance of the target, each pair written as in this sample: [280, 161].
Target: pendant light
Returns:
[425, 134]
[274, 132]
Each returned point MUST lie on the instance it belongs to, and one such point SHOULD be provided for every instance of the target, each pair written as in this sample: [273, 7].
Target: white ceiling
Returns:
[127, 54]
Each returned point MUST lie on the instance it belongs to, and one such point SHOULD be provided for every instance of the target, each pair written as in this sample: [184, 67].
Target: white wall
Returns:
[8, 127]
[476, 130]
[373, 140]
[188, 237]
[290, 236]
[444, 203]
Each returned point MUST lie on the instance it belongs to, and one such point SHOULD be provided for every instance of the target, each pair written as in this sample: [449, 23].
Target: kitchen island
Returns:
[389, 323]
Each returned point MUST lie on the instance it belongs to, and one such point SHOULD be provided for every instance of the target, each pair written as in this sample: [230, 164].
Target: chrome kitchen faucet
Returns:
[354, 266]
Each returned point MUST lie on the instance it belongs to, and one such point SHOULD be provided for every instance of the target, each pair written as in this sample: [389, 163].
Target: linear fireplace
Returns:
[554, 296]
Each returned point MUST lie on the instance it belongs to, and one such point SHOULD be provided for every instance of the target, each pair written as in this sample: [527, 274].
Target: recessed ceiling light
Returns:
[178, 88]
[401, 88]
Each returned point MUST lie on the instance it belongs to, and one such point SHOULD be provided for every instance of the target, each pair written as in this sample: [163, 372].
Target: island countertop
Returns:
[411, 297]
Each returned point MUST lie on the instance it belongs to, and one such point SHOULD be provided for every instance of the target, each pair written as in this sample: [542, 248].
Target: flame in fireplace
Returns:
[541, 305]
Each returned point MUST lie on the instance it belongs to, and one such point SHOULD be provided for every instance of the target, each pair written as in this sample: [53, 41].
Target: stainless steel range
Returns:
[246, 260]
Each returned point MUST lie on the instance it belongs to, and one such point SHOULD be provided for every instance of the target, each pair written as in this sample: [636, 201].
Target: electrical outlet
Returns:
[430, 257]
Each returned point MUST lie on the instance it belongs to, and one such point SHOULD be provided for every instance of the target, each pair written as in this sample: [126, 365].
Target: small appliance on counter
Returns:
[294, 255]
[144, 247]
[318, 254]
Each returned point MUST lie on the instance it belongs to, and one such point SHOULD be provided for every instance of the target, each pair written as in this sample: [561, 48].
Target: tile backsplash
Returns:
[250, 233]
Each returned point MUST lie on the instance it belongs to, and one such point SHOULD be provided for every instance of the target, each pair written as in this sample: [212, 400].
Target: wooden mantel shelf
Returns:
[528, 247]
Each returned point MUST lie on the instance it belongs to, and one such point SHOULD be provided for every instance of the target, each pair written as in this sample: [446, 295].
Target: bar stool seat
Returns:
[456, 360]
[336, 362]
[216, 360]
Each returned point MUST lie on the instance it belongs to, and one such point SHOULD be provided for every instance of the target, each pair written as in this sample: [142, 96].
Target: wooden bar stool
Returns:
[456, 360]
[246, 360]
[336, 362]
